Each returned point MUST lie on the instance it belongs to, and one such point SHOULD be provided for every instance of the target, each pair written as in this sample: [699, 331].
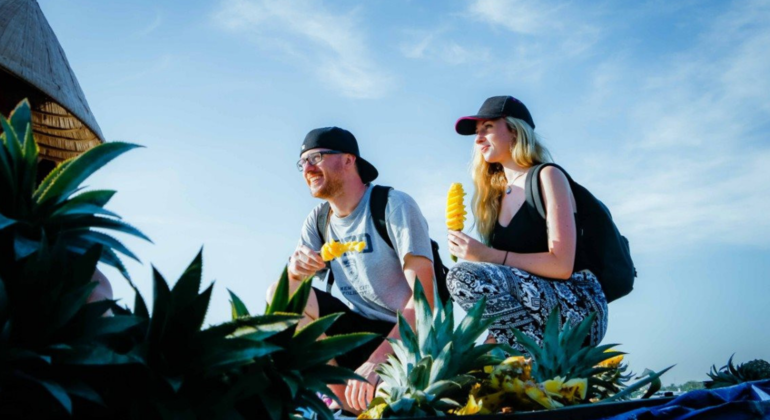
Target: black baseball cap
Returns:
[492, 109]
[341, 140]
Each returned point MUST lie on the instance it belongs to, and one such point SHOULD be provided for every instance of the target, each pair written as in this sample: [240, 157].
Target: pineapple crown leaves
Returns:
[562, 352]
[431, 360]
[652, 379]
[729, 374]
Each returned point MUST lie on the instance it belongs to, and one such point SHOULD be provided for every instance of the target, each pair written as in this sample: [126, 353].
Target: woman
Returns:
[525, 266]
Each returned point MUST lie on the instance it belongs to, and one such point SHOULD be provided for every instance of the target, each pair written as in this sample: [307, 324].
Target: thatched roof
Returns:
[33, 65]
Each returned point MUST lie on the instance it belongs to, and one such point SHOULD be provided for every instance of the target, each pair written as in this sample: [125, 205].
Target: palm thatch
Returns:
[33, 65]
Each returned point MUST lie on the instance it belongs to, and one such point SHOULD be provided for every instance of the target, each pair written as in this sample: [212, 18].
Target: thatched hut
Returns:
[33, 65]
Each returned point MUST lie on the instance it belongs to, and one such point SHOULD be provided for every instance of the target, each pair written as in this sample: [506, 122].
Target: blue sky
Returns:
[660, 108]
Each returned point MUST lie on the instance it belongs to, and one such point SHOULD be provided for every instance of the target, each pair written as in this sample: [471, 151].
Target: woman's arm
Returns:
[559, 261]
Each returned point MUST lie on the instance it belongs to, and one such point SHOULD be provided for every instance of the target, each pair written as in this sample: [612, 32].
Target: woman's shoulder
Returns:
[553, 173]
[554, 179]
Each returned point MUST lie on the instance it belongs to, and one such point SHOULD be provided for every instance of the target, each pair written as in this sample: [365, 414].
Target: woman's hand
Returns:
[467, 248]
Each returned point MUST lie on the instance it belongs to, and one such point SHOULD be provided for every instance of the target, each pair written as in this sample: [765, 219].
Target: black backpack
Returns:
[377, 203]
[607, 252]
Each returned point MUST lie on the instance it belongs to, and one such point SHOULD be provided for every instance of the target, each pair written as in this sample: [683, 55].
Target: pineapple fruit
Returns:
[561, 372]
[334, 249]
[455, 209]
[730, 375]
[432, 365]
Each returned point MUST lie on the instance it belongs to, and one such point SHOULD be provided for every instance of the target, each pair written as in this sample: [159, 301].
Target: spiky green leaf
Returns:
[237, 306]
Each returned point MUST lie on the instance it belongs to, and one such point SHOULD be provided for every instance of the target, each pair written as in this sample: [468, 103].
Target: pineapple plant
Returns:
[455, 209]
[562, 371]
[729, 375]
[433, 363]
[563, 355]
[613, 380]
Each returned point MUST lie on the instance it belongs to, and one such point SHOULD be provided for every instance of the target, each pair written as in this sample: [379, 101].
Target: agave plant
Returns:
[56, 209]
[299, 372]
[729, 375]
[48, 255]
[430, 366]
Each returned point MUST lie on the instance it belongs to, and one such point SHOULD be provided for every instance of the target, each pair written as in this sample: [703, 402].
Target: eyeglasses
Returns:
[315, 158]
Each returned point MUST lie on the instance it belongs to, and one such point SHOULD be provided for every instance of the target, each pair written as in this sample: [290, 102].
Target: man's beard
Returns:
[331, 188]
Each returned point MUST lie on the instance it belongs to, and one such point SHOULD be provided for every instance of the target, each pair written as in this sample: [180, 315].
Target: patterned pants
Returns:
[524, 301]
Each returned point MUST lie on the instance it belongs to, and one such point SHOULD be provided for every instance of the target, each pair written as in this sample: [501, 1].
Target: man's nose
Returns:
[306, 165]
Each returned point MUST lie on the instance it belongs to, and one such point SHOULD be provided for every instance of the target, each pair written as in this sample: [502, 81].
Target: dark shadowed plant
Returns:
[300, 370]
[48, 255]
[61, 357]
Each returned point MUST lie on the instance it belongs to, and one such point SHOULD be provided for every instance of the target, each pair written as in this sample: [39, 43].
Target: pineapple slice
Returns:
[334, 249]
[455, 209]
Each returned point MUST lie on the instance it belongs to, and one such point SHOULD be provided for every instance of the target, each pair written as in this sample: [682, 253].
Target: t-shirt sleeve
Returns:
[407, 227]
[309, 234]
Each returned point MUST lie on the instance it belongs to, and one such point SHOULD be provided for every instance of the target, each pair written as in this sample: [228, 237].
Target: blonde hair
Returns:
[489, 179]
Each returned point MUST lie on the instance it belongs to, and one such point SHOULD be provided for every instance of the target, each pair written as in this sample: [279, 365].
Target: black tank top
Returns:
[527, 233]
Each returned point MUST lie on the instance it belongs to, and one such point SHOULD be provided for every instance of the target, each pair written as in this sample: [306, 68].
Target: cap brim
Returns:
[466, 126]
[366, 170]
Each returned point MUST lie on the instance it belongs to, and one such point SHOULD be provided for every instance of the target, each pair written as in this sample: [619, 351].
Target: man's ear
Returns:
[350, 160]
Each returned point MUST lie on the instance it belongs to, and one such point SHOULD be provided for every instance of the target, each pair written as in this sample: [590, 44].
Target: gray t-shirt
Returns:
[373, 281]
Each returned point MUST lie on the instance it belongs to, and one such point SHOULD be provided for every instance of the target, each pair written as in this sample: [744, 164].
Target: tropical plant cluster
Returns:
[64, 356]
[437, 370]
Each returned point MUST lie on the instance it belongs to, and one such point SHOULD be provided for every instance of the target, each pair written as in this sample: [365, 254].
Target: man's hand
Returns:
[304, 263]
[359, 394]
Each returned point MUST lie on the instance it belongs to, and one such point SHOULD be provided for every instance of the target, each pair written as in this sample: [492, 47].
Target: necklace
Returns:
[510, 185]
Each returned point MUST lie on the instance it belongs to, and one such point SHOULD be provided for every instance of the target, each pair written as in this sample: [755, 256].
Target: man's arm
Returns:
[415, 267]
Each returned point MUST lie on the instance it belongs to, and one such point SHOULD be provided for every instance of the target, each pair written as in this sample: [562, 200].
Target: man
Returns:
[377, 282]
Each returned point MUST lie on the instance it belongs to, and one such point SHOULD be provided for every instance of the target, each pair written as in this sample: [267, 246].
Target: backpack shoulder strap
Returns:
[322, 224]
[532, 193]
[322, 220]
[377, 203]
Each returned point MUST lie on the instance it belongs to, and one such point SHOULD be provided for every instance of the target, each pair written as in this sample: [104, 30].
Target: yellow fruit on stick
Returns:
[334, 249]
[455, 209]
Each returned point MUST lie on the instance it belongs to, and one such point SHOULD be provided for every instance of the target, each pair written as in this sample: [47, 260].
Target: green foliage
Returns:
[61, 357]
[563, 353]
[300, 370]
[729, 375]
[430, 366]
[56, 211]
